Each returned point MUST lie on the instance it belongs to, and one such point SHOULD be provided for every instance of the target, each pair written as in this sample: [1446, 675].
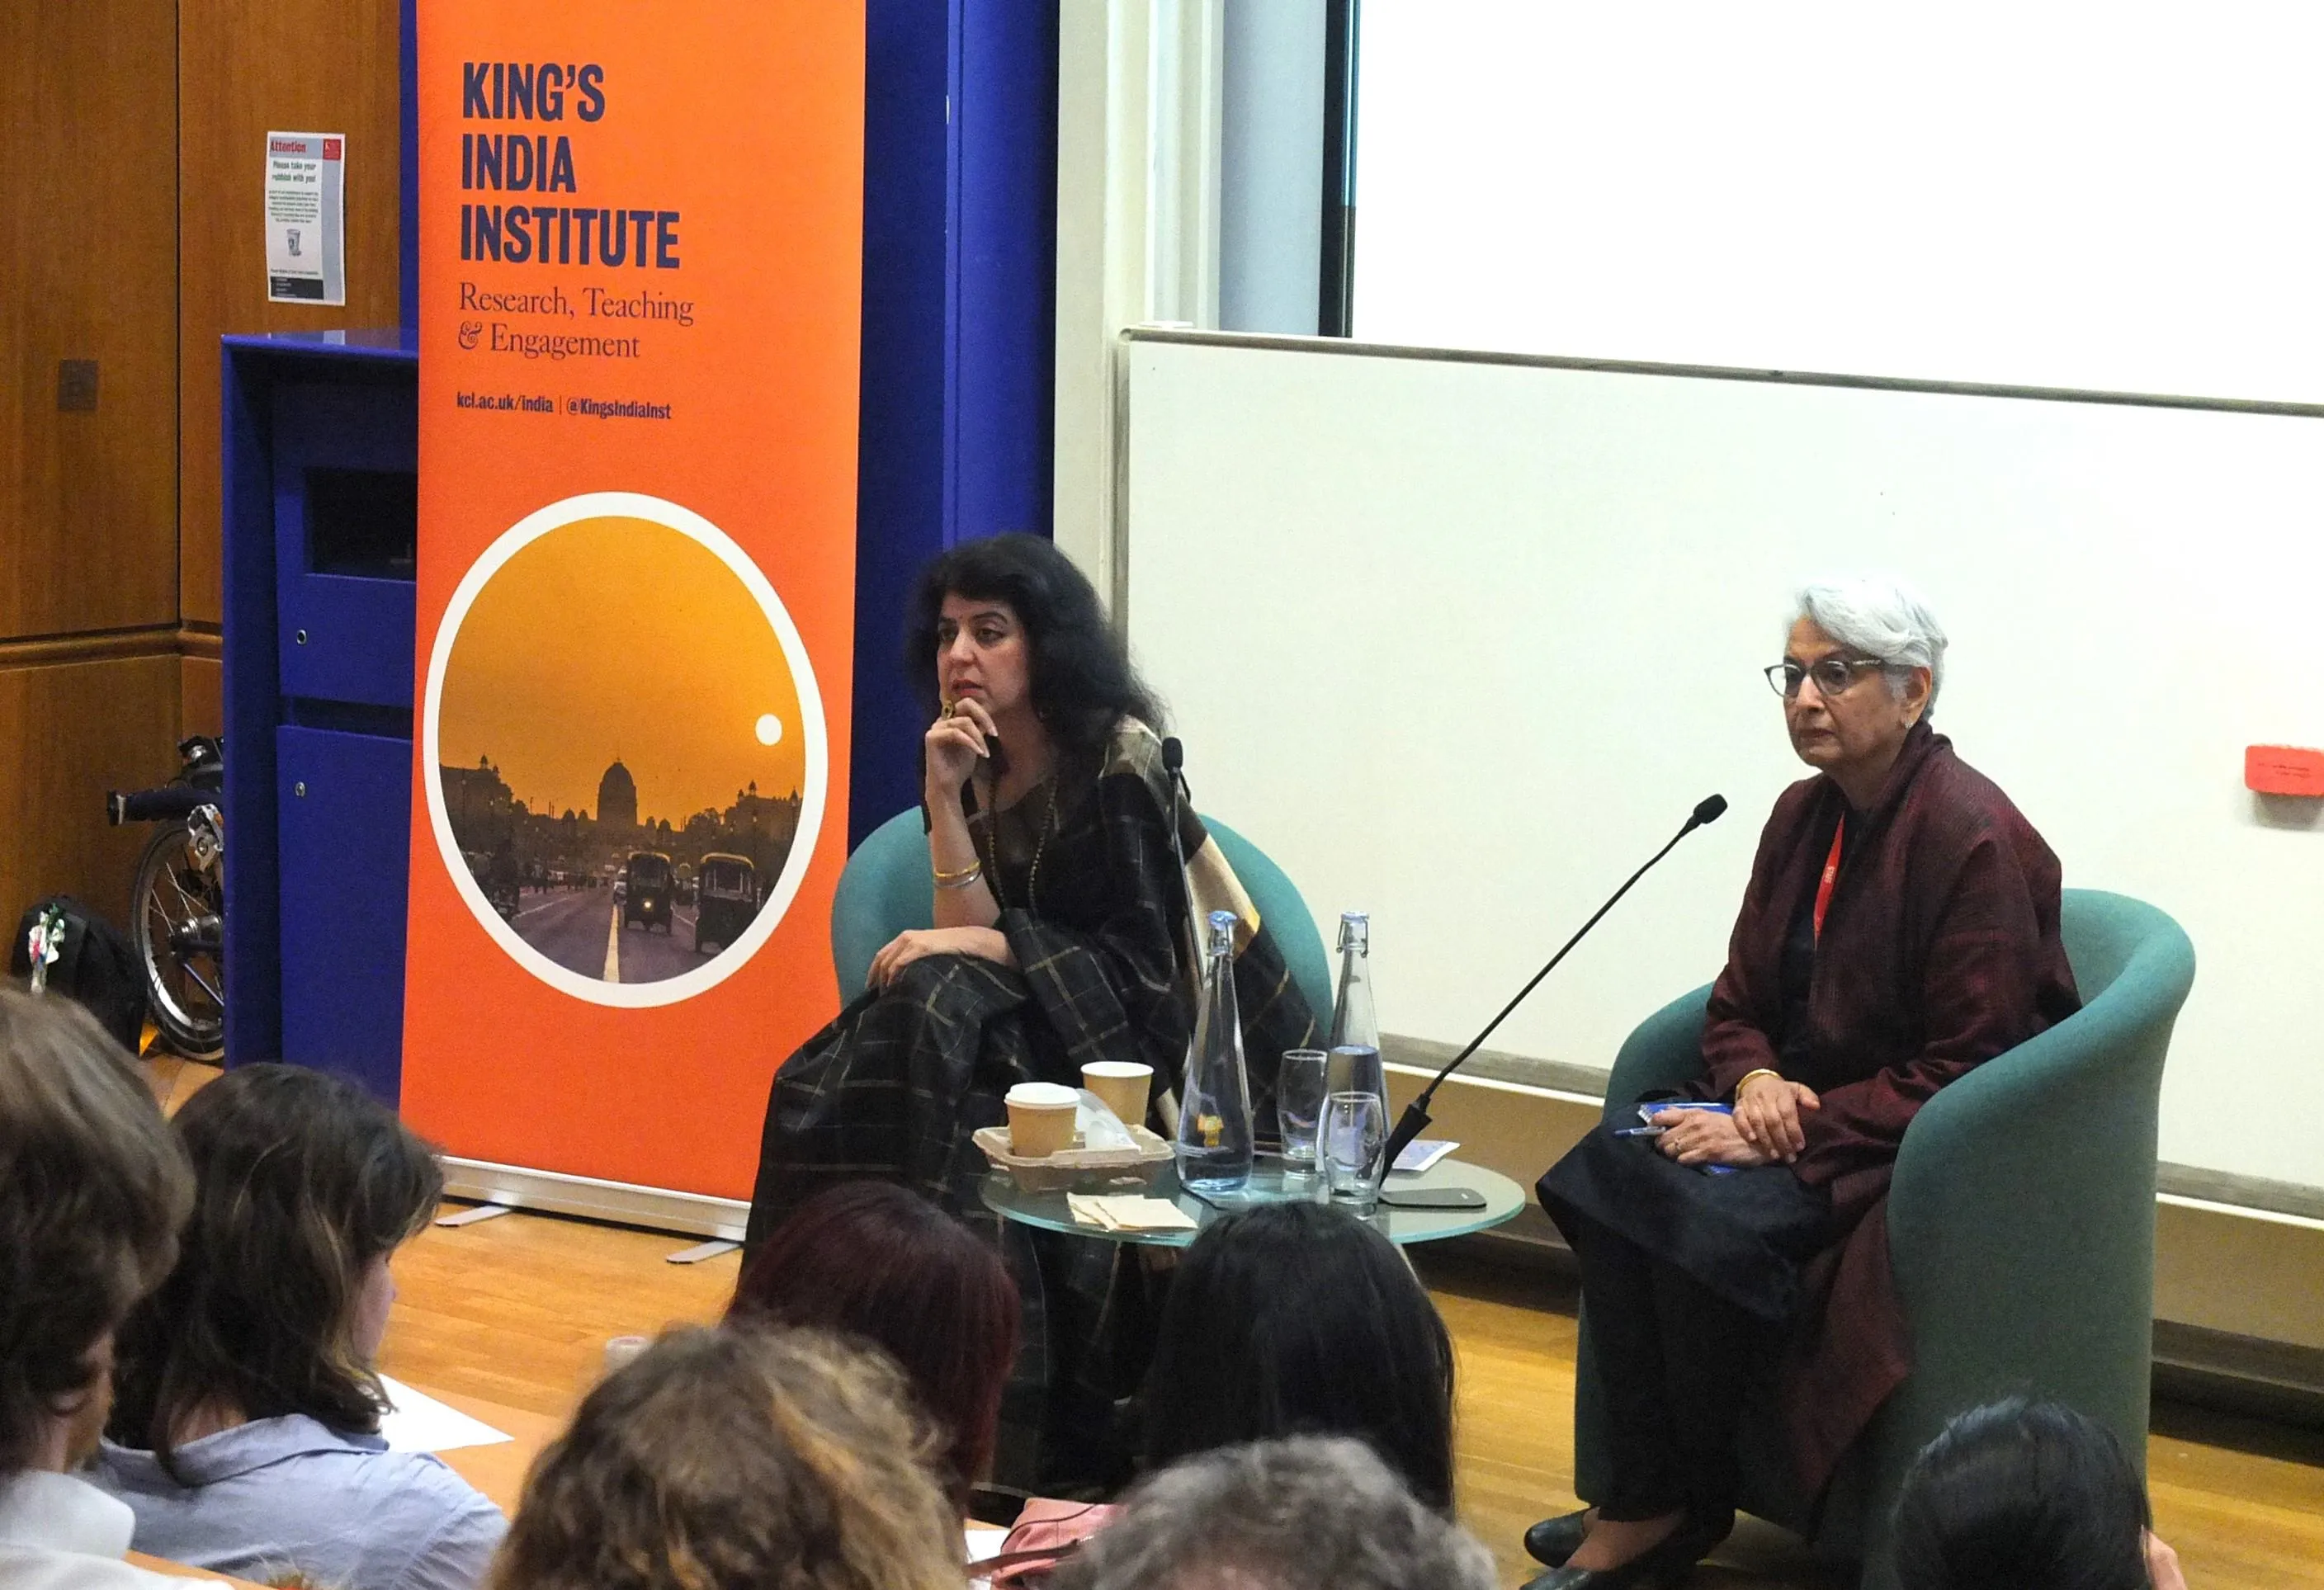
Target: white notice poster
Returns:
[306, 178]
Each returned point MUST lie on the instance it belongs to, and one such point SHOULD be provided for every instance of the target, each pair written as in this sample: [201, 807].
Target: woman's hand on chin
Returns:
[1705, 1137]
[956, 743]
[987, 944]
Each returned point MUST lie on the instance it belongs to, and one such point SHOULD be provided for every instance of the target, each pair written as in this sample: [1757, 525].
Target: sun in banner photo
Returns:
[626, 748]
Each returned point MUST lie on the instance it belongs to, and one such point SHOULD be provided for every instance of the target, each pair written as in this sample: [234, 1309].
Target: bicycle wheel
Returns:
[178, 925]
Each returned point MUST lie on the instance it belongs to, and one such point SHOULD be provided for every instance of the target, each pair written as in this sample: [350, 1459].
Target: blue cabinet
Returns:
[342, 906]
[321, 466]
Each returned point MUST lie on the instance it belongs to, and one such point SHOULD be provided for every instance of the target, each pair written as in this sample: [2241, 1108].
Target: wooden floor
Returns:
[517, 1311]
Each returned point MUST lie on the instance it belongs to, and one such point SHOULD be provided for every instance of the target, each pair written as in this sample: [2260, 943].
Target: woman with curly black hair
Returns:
[1060, 938]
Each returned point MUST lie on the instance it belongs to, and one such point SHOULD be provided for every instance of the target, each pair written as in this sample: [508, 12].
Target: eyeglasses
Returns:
[1833, 674]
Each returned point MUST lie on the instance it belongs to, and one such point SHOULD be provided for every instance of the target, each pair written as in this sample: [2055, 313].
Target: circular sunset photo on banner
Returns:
[627, 750]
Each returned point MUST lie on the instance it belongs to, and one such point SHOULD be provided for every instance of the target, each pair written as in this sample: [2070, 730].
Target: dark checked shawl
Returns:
[894, 1087]
[1941, 949]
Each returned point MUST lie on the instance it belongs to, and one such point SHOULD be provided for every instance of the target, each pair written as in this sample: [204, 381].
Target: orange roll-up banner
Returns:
[640, 254]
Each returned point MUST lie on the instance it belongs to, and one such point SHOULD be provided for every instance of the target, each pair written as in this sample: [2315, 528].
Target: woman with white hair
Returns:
[1901, 927]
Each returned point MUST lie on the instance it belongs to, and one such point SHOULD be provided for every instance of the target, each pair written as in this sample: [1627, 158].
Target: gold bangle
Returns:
[961, 879]
[1763, 1071]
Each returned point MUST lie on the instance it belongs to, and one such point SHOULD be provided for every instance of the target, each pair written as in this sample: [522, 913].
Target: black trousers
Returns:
[1675, 1363]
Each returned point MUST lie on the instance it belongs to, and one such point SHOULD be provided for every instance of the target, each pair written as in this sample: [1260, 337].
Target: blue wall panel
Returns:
[1005, 269]
[901, 462]
[960, 178]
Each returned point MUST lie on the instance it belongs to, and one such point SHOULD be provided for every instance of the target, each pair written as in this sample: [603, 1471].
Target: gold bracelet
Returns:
[1745, 1082]
[961, 879]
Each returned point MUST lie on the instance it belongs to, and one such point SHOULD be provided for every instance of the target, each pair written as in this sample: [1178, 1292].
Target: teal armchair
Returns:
[2021, 1228]
[886, 888]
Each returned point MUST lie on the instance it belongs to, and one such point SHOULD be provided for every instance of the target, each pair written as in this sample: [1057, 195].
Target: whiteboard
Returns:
[1461, 641]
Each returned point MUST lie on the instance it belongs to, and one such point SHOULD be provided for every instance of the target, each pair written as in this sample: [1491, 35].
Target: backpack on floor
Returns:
[93, 964]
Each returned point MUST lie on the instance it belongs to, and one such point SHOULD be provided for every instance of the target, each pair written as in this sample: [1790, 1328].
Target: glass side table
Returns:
[1270, 1183]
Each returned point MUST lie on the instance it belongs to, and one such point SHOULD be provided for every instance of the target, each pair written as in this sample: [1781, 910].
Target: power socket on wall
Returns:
[75, 386]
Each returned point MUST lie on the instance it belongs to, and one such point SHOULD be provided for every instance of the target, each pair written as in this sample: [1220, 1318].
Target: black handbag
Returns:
[95, 966]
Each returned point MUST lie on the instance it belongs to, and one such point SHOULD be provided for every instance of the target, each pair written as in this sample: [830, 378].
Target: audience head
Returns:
[736, 1460]
[1305, 1513]
[1298, 1318]
[871, 1260]
[304, 1187]
[93, 1188]
[1082, 679]
[2022, 1493]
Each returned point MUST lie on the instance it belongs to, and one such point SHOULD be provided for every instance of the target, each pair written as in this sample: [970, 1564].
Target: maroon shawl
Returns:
[1940, 949]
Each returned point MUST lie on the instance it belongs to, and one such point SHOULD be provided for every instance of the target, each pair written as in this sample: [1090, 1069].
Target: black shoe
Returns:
[1554, 1540]
[1658, 1567]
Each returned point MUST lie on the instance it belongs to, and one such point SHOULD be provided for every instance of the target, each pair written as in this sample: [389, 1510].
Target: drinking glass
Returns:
[1299, 1106]
[1352, 1141]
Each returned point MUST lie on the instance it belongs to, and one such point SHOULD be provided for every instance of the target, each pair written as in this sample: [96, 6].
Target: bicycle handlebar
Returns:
[167, 804]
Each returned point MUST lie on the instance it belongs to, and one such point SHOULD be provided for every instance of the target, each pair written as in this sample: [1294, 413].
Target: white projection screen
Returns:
[2069, 195]
[1461, 641]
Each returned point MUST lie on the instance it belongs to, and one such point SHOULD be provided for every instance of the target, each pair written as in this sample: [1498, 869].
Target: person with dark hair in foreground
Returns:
[738, 1460]
[1298, 1319]
[93, 1188]
[869, 1260]
[1303, 1513]
[246, 1433]
[1061, 937]
[2025, 1491]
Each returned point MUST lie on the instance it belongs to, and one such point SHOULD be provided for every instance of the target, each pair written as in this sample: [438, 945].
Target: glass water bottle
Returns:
[1214, 1117]
[1355, 1063]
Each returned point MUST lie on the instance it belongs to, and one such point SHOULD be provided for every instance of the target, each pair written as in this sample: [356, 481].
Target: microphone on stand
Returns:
[1415, 1119]
[1173, 765]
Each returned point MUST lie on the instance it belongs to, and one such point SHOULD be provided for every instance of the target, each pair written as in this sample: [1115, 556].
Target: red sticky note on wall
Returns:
[2284, 770]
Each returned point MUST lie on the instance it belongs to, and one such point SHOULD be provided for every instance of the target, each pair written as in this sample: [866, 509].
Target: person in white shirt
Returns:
[246, 1433]
[93, 1188]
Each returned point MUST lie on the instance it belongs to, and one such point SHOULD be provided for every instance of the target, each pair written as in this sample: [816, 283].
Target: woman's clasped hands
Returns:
[1767, 1115]
[1764, 1130]
[1705, 1137]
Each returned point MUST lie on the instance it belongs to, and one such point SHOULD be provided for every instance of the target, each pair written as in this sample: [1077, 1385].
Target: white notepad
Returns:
[418, 1422]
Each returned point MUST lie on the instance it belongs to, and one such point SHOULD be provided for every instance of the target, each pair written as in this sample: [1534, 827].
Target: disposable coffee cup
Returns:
[1040, 1118]
[1123, 1086]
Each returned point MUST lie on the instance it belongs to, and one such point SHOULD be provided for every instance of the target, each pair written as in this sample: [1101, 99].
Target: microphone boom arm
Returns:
[1415, 1118]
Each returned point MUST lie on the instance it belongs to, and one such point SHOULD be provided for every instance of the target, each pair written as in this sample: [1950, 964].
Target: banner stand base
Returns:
[623, 1203]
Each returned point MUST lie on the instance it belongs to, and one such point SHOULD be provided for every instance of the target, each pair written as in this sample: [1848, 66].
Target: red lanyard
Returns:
[1830, 877]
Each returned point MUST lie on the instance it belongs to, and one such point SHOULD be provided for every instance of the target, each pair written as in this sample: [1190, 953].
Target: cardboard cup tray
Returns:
[1070, 1166]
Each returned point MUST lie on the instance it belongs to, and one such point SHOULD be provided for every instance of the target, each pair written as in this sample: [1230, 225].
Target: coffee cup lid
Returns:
[1041, 1095]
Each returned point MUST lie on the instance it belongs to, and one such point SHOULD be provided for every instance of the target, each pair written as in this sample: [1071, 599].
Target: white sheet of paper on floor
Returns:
[418, 1422]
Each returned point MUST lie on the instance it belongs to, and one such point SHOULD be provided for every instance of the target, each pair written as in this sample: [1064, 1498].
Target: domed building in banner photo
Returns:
[617, 797]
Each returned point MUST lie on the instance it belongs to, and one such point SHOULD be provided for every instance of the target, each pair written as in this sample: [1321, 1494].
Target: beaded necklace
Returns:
[1040, 847]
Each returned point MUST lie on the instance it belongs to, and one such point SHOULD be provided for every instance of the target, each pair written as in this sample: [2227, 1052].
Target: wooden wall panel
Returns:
[89, 191]
[247, 67]
[201, 694]
[79, 728]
